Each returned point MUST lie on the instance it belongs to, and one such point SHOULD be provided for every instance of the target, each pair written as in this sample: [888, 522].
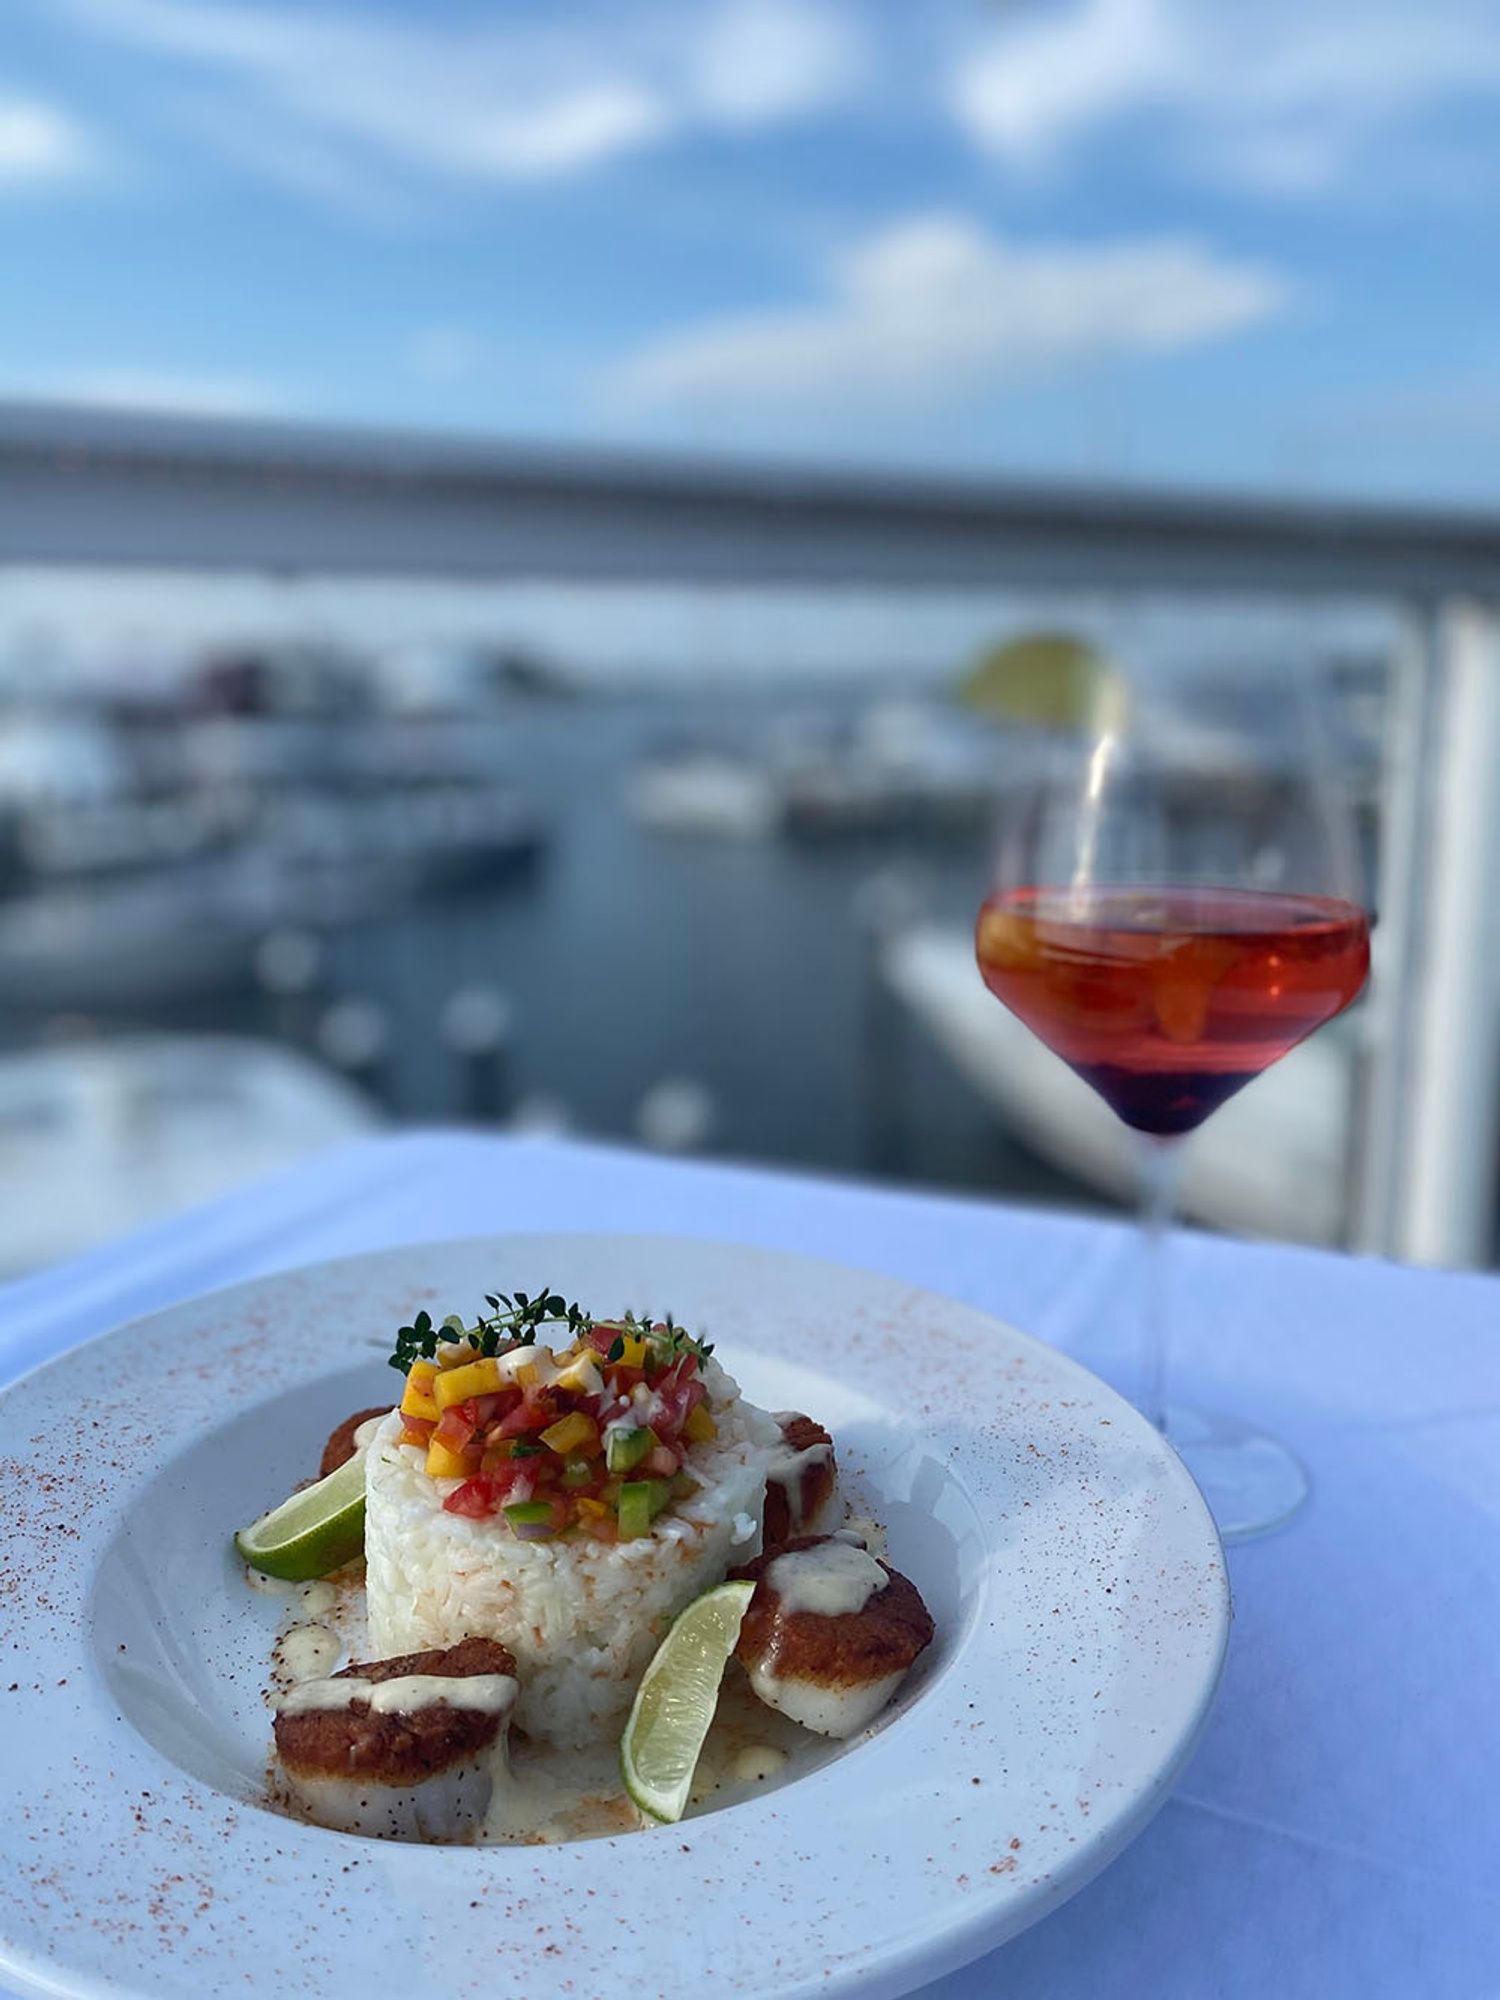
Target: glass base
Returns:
[1252, 1484]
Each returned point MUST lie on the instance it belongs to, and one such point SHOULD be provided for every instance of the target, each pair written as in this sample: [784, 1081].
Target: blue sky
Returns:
[1151, 239]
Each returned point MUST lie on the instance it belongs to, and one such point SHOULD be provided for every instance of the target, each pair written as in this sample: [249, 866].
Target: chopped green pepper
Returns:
[635, 1510]
[627, 1448]
[641, 1500]
[529, 1513]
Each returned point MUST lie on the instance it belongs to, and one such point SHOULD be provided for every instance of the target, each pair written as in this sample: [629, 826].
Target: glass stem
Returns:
[1161, 1175]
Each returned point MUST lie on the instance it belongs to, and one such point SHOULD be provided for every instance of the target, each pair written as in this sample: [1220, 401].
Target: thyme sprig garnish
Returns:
[664, 1334]
[515, 1319]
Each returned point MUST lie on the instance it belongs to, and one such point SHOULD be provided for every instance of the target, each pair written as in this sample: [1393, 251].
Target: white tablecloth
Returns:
[1338, 1831]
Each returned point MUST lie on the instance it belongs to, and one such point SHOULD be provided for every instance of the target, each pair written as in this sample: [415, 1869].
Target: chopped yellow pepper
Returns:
[700, 1427]
[475, 1378]
[633, 1354]
[417, 1401]
[574, 1432]
[445, 1464]
[582, 1375]
[528, 1375]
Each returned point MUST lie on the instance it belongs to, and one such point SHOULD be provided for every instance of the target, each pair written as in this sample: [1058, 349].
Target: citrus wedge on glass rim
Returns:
[315, 1531]
[676, 1699]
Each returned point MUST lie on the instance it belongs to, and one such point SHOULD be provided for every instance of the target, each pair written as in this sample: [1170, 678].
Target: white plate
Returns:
[1073, 1571]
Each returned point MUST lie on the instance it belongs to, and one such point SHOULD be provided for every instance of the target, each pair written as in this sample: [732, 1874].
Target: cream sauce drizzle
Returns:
[542, 1359]
[547, 1795]
[786, 1470]
[305, 1651]
[867, 1531]
[757, 1762]
[269, 1586]
[834, 1579]
[788, 1466]
[316, 1598]
[485, 1694]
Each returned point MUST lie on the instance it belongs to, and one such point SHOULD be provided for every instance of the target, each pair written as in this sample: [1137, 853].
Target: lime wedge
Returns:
[676, 1699]
[317, 1530]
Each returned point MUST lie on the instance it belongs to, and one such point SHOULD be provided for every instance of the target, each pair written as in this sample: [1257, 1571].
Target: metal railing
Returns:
[86, 487]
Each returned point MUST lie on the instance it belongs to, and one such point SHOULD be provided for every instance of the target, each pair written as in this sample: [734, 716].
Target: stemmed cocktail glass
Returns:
[1175, 904]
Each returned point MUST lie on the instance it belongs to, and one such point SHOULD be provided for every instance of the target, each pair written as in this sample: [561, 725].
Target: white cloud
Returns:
[574, 129]
[1276, 95]
[445, 353]
[1029, 89]
[932, 305]
[40, 143]
[306, 164]
[551, 93]
[126, 388]
[756, 61]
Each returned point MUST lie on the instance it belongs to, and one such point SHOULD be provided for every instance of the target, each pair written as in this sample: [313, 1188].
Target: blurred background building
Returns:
[530, 545]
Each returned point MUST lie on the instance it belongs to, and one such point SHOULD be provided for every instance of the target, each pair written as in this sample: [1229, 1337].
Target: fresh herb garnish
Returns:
[666, 1334]
[512, 1321]
[415, 1342]
[684, 1343]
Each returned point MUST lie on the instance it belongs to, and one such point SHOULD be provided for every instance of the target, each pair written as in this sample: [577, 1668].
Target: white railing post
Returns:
[1389, 1015]
[1440, 1094]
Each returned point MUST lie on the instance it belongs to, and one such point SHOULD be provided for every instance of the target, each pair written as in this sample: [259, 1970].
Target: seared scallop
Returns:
[345, 1441]
[408, 1749]
[830, 1633]
[800, 1482]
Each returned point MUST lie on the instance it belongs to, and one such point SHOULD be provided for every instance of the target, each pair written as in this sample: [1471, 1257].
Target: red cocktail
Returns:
[1168, 1000]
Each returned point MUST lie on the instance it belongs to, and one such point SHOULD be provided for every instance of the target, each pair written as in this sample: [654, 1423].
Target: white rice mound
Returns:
[582, 1618]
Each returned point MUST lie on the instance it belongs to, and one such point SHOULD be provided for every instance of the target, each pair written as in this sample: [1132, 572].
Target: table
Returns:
[1338, 1829]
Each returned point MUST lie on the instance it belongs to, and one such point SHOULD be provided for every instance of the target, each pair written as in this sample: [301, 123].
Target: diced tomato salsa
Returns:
[593, 1440]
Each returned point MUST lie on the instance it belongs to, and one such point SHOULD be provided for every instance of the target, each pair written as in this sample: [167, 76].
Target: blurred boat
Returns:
[902, 768]
[100, 1139]
[118, 837]
[835, 799]
[402, 807]
[129, 941]
[121, 947]
[419, 833]
[56, 756]
[703, 791]
[398, 842]
[1270, 1162]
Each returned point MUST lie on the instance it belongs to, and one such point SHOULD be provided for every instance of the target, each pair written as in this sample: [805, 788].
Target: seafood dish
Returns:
[539, 1514]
